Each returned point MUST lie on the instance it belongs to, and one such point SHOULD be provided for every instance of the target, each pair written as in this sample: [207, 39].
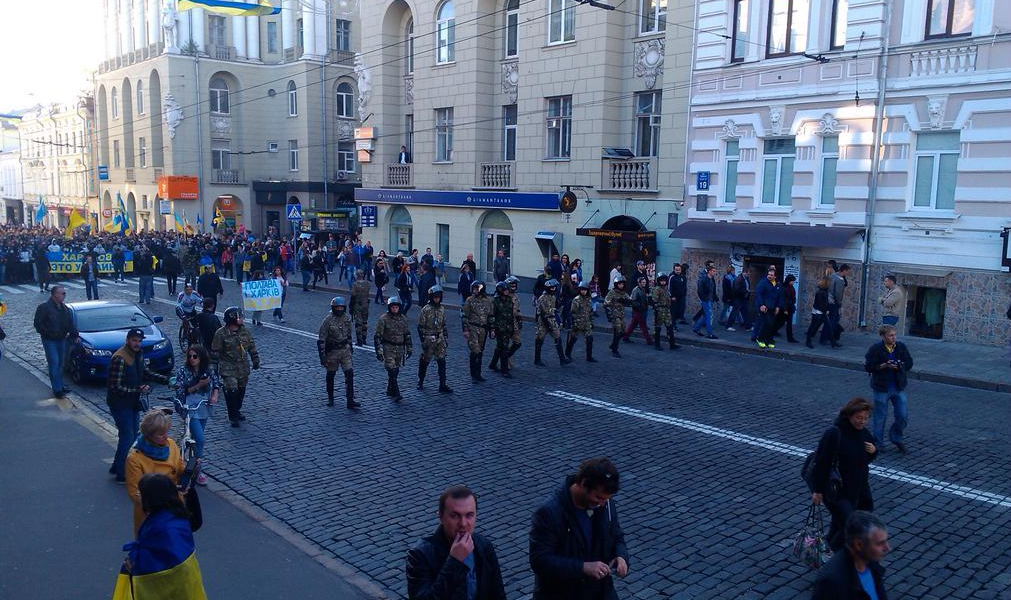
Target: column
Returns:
[309, 28]
[199, 31]
[154, 22]
[239, 36]
[105, 29]
[253, 38]
[126, 27]
[288, 24]
[183, 26]
[140, 24]
[117, 40]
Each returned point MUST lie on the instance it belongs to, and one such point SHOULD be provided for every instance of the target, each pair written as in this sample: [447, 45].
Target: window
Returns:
[142, 152]
[647, 123]
[512, 28]
[219, 96]
[221, 155]
[272, 37]
[787, 27]
[936, 170]
[652, 16]
[443, 238]
[509, 115]
[559, 126]
[410, 46]
[443, 134]
[733, 153]
[949, 18]
[840, 10]
[115, 153]
[140, 97]
[409, 130]
[292, 155]
[115, 103]
[777, 184]
[829, 166]
[301, 33]
[217, 29]
[345, 100]
[346, 156]
[292, 99]
[343, 30]
[741, 39]
[445, 34]
[561, 21]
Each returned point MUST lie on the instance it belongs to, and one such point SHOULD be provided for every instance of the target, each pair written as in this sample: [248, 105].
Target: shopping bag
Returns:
[810, 545]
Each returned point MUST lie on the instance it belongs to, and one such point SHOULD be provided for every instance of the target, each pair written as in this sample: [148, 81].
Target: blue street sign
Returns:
[702, 181]
[294, 212]
[103, 173]
[368, 216]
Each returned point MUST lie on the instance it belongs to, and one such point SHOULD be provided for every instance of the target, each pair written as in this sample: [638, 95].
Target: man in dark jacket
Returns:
[740, 296]
[172, 267]
[768, 299]
[855, 573]
[55, 325]
[678, 288]
[500, 268]
[143, 267]
[640, 304]
[454, 563]
[209, 285]
[576, 543]
[888, 361]
[208, 322]
[425, 282]
[706, 288]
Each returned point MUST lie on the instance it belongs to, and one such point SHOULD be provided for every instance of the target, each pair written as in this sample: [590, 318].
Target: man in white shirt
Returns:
[404, 157]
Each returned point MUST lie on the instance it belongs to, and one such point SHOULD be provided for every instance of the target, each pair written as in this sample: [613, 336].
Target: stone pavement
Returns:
[709, 445]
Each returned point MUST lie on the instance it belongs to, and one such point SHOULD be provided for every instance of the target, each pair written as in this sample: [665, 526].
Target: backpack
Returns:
[834, 478]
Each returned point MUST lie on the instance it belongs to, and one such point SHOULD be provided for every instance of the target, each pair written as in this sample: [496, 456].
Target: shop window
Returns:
[926, 307]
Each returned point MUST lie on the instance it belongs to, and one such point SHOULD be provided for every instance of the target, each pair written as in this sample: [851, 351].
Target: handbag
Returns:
[831, 494]
[192, 502]
[810, 545]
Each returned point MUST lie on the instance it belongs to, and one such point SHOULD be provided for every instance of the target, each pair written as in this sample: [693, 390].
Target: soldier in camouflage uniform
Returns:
[547, 323]
[233, 348]
[434, 338]
[476, 315]
[660, 299]
[335, 350]
[517, 338]
[360, 300]
[393, 345]
[503, 325]
[614, 305]
[582, 322]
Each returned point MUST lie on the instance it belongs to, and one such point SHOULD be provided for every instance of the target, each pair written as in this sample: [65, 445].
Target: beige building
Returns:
[258, 109]
[867, 131]
[501, 105]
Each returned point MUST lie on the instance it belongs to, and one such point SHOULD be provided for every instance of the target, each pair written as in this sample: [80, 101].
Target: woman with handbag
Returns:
[841, 467]
[153, 452]
[198, 388]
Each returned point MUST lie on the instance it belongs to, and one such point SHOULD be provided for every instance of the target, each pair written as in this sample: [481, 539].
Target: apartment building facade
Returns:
[11, 179]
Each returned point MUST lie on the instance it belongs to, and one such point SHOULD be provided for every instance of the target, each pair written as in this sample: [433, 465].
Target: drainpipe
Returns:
[322, 96]
[93, 172]
[200, 138]
[872, 197]
[688, 127]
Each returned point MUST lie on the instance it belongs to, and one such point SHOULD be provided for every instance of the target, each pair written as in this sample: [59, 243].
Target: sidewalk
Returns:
[967, 365]
[65, 520]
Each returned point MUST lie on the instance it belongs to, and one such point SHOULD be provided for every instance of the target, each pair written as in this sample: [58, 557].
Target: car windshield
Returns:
[109, 318]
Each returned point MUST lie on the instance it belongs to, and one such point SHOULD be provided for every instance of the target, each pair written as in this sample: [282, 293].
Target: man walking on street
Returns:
[517, 337]
[360, 300]
[660, 298]
[144, 269]
[836, 290]
[577, 546]
[55, 325]
[500, 268]
[678, 295]
[727, 296]
[476, 316]
[855, 572]
[89, 273]
[434, 336]
[233, 348]
[614, 306]
[888, 361]
[502, 323]
[768, 298]
[455, 563]
[547, 323]
[706, 287]
[582, 322]
[741, 295]
[392, 342]
[335, 350]
[640, 305]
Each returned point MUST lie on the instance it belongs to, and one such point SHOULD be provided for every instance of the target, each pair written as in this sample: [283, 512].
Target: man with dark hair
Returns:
[454, 562]
[836, 289]
[888, 361]
[576, 543]
[55, 325]
[855, 572]
[678, 288]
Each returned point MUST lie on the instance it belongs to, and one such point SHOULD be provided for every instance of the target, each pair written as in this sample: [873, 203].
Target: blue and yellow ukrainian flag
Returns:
[163, 563]
[235, 9]
[219, 219]
[125, 227]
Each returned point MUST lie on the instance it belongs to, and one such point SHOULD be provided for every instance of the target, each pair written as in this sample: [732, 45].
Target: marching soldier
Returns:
[335, 350]
[582, 322]
[660, 299]
[517, 338]
[614, 305]
[434, 338]
[547, 323]
[393, 345]
[233, 348]
[476, 316]
[503, 322]
[360, 300]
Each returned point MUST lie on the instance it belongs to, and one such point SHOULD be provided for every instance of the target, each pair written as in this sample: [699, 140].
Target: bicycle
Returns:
[188, 445]
[189, 333]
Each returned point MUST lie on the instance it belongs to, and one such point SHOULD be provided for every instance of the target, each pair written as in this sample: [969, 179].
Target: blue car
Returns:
[102, 325]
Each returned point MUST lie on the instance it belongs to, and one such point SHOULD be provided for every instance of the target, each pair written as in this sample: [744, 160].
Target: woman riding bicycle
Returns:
[186, 308]
[197, 389]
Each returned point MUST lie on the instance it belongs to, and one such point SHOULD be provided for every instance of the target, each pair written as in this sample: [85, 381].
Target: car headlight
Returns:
[160, 345]
[97, 352]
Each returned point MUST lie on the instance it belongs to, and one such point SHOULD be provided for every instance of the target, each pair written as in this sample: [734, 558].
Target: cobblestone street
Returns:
[709, 445]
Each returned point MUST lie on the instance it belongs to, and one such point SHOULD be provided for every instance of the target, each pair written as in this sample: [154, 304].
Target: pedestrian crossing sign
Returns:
[294, 212]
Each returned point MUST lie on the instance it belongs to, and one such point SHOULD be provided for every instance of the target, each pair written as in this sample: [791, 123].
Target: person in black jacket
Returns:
[819, 311]
[888, 361]
[856, 572]
[463, 285]
[55, 325]
[209, 286]
[171, 266]
[208, 322]
[678, 288]
[848, 449]
[576, 543]
[787, 309]
[455, 563]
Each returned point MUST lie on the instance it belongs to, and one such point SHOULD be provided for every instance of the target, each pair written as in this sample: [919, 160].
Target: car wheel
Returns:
[76, 370]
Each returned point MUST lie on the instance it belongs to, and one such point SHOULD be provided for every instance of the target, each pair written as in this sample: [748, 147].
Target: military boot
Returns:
[561, 353]
[443, 388]
[589, 350]
[615, 340]
[570, 341]
[349, 386]
[494, 360]
[512, 350]
[537, 353]
[656, 338]
[422, 369]
[397, 397]
[670, 338]
[477, 368]
[389, 383]
[329, 388]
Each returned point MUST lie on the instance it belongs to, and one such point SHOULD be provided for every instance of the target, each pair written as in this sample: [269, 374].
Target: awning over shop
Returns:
[776, 234]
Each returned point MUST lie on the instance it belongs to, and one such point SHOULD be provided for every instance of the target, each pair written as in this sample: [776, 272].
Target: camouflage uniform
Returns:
[582, 325]
[660, 299]
[614, 305]
[360, 300]
[504, 325]
[393, 347]
[233, 351]
[517, 336]
[476, 316]
[547, 324]
[434, 336]
[335, 350]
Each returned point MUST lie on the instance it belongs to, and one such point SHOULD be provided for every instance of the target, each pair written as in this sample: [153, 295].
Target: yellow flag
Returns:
[76, 220]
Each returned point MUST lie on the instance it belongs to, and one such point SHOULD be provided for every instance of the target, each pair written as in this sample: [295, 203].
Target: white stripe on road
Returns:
[28, 288]
[10, 290]
[884, 472]
[71, 285]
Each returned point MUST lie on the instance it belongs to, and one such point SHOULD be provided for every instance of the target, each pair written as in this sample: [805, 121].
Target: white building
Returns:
[871, 132]
[11, 180]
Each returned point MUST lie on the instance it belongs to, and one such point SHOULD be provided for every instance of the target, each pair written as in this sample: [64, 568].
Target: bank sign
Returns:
[503, 200]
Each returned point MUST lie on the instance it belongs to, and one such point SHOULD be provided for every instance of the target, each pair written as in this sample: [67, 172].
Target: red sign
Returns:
[107, 212]
[178, 187]
[226, 203]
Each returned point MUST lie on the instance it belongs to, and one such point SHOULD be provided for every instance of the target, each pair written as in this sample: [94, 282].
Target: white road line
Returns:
[11, 290]
[28, 288]
[71, 285]
[884, 472]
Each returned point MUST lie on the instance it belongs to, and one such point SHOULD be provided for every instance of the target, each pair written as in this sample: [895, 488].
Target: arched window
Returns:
[345, 100]
[445, 34]
[512, 28]
[410, 47]
[219, 96]
[140, 97]
[115, 103]
[292, 99]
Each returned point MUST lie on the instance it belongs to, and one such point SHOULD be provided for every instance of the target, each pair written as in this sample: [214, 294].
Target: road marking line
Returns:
[884, 472]
[11, 290]
[71, 285]
[27, 288]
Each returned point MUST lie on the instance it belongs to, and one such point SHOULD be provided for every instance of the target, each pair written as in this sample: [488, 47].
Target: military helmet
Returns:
[512, 280]
[435, 289]
[360, 274]
[661, 275]
[501, 286]
[232, 315]
[619, 279]
[393, 300]
[474, 286]
[584, 285]
[551, 283]
[337, 301]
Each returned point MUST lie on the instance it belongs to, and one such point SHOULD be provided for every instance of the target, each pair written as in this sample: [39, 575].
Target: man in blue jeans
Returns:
[888, 361]
[55, 325]
[706, 286]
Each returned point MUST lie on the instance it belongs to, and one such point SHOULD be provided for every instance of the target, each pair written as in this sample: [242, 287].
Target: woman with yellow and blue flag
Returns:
[162, 561]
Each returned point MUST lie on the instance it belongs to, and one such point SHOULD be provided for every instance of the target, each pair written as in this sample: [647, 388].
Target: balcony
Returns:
[226, 176]
[131, 175]
[221, 52]
[399, 176]
[496, 175]
[629, 175]
[943, 61]
[342, 57]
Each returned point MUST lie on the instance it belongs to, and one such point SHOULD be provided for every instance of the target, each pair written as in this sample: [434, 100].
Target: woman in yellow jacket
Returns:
[154, 452]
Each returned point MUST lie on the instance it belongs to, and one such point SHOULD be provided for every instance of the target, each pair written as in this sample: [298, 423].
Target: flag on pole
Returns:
[93, 223]
[125, 226]
[219, 219]
[41, 212]
[235, 9]
[76, 220]
[178, 223]
[200, 223]
[186, 223]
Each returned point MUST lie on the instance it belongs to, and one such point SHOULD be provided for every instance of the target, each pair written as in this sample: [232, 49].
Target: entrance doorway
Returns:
[757, 266]
[497, 233]
[926, 305]
[401, 231]
[274, 219]
[623, 240]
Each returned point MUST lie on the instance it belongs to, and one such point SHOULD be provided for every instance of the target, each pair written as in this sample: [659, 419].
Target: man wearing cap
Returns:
[127, 373]
[434, 336]
[660, 299]
[335, 350]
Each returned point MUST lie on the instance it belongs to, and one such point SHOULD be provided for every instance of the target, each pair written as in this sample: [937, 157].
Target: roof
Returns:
[777, 234]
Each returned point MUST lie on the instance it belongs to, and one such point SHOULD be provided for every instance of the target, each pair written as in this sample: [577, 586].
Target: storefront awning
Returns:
[775, 234]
